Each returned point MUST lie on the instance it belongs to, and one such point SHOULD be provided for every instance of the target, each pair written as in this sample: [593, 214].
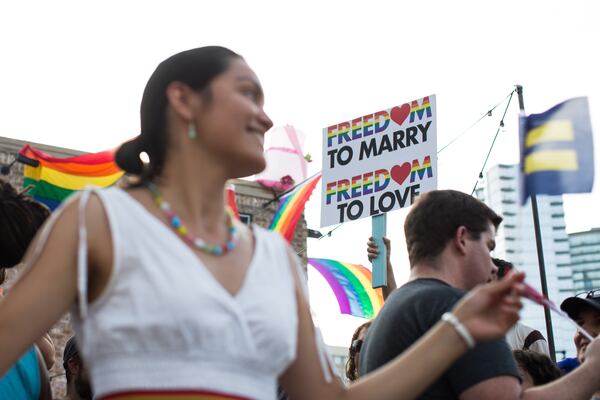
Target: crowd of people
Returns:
[166, 288]
[440, 274]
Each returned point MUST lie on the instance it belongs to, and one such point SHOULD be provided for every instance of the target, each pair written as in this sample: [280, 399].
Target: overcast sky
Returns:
[72, 74]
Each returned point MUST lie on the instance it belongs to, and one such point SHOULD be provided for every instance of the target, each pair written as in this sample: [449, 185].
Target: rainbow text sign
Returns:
[379, 162]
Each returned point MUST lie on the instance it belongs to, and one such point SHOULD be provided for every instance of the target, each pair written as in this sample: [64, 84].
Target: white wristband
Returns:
[460, 329]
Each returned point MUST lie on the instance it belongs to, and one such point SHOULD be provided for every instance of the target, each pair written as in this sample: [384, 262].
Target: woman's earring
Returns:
[192, 134]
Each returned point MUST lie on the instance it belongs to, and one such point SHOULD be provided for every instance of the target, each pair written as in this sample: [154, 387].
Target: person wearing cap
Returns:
[78, 384]
[449, 238]
[175, 298]
[585, 310]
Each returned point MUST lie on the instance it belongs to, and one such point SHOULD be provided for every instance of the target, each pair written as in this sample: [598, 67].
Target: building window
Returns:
[507, 189]
[556, 203]
[559, 215]
[506, 178]
[558, 228]
[504, 201]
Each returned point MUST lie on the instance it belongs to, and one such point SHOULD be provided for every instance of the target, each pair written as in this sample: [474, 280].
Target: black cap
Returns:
[574, 305]
[70, 350]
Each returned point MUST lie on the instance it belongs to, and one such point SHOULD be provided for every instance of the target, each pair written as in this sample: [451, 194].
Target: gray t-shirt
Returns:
[410, 312]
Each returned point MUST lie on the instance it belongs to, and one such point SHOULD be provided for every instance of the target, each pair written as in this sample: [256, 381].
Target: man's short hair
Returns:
[437, 215]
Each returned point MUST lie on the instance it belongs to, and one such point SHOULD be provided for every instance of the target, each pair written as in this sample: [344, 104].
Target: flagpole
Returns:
[540, 250]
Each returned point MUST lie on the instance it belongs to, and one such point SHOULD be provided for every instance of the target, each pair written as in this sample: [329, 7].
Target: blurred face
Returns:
[589, 319]
[231, 125]
[80, 379]
[479, 267]
[358, 344]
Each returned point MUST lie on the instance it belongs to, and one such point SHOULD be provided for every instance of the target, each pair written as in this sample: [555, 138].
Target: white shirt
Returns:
[164, 322]
[516, 339]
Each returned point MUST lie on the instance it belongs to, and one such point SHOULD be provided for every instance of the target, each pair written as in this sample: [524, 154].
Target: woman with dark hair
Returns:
[174, 298]
[536, 369]
[20, 219]
[354, 351]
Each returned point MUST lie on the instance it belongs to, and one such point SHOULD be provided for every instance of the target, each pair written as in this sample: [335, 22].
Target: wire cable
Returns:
[500, 126]
[487, 114]
[319, 238]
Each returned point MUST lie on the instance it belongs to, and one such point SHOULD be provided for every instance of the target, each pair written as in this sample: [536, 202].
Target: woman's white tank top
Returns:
[164, 322]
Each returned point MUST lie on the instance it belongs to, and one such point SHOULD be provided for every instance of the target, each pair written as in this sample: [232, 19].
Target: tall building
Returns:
[585, 259]
[515, 242]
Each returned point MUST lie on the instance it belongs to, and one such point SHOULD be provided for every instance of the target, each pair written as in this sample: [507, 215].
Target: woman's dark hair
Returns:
[351, 367]
[196, 68]
[539, 366]
[20, 219]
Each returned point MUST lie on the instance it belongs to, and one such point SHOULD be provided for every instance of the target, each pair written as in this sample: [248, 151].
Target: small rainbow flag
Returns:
[351, 284]
[54, 179]
[291, 206]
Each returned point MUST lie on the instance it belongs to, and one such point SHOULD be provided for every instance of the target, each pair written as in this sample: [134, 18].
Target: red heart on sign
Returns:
[399, 114]
[400, 172]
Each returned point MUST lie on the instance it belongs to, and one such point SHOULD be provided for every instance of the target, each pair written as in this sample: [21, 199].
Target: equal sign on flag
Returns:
[54, 179]
[557, 153]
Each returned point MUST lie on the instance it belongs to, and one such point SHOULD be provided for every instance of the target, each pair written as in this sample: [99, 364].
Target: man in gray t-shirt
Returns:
[408, 313]
[449, 237]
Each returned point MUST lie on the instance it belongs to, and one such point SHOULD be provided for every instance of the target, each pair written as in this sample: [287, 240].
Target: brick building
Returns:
[255, 204]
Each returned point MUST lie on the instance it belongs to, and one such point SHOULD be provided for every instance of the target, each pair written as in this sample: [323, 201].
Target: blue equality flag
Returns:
[557, 153]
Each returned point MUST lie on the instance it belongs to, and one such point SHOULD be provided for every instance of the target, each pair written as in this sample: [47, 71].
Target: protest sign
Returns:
[379, 162]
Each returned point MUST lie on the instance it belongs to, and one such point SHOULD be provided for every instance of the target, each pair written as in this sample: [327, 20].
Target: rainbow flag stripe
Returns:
[352, 286]
[170, 395]
[54, 179]
[291, 207]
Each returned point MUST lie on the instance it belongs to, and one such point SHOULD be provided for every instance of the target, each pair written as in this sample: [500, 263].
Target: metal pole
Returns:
[540, 250]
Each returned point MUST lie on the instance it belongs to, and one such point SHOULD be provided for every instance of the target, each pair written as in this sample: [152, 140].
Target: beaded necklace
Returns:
[184, 233]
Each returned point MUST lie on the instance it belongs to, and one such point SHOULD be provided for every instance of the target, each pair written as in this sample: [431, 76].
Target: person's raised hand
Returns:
[373, 249]
[592, 353]
[490, 310]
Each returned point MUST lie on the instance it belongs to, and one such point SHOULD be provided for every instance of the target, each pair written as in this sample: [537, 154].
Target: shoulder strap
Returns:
[533, 337]
[82, 256]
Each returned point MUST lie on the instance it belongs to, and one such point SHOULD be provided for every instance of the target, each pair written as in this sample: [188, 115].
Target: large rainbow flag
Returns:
[351, 284]
[291, 206]
[54, 179]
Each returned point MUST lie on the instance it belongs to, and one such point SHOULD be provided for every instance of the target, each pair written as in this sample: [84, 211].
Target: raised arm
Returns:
[47, 288]
[487, 313]
[372, 252]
